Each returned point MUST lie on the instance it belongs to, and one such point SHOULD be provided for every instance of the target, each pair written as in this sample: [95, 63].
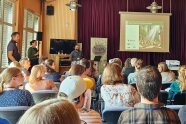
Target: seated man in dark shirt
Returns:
[149, 110]
[12, 50]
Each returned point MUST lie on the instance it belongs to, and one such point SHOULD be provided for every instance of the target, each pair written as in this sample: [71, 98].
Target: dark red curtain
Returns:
[100, 18]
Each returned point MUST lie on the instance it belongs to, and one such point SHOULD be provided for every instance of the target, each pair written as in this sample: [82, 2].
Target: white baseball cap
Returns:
[73, 86]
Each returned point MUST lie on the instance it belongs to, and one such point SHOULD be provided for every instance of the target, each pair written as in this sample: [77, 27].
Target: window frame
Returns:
[28, 30]
[4, 23]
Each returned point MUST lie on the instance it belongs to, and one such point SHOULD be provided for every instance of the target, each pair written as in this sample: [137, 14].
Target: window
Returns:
[6, 27]
[0, 8]
[31, 27]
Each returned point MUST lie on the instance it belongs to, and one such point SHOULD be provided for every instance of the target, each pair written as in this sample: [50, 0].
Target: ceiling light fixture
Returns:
[154, 7]
[73, 5]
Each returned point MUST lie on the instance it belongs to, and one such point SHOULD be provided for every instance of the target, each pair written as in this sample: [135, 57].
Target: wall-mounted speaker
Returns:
[39, 36]
[50, 10]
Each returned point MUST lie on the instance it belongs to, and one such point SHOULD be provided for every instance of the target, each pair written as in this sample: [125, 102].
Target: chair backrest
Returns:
[111, 115]
[12, 113]
[57, 84]
[179, 98]
[174, 107]
[42, 95]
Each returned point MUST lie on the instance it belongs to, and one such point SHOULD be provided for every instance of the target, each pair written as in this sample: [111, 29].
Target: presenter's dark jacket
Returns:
[15, 53]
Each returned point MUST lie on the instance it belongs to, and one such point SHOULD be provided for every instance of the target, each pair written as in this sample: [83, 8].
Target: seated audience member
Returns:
[50, 71]
[36, 81]
[132, 76]
[149, 111]
[74, 88]
[77, 70]
[15, 64]
[116, 61]
[25, 63]
[180, 84]
[87, 73]
[181, 114]
[4, 121]
[42, 60]
[10, 95]
[113, 91]
[53, 111]
[128, 68]
[167, 75]
[99, 79]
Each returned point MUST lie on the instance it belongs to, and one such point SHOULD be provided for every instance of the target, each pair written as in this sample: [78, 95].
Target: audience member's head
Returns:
[138, 64]
[116, 61]
[25, 63]
[149, 82]
[37, 73]
[133, 61]
[76, 70]
[84, 62]
[42, 60]
[72, 87]
[162, 67]
[50, 65]
[15, 64]
[11, 77]
[15, 36]
[182, 77]
[89, 69]
[33, 43]
[53, 111]
[127, 63]
[112, 74]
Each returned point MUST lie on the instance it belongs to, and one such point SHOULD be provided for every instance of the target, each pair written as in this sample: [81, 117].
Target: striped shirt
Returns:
[149, 114]
[91, 117]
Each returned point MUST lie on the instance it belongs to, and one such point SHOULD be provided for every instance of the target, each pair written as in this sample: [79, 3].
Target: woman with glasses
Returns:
[10, 94]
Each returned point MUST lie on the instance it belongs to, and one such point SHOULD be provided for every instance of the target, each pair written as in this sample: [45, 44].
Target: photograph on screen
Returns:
[144, 34]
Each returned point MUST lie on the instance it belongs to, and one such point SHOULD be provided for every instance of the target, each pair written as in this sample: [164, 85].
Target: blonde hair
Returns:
[182, 77]
[111, 74]
[53, 111]
[22, 61]
[7, 75]
[15, 64]
[76, 70]
[36, 73]
[163, 66]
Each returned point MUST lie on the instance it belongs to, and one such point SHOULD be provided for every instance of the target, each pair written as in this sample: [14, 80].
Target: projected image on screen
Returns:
[143, 35]
[144, 32]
